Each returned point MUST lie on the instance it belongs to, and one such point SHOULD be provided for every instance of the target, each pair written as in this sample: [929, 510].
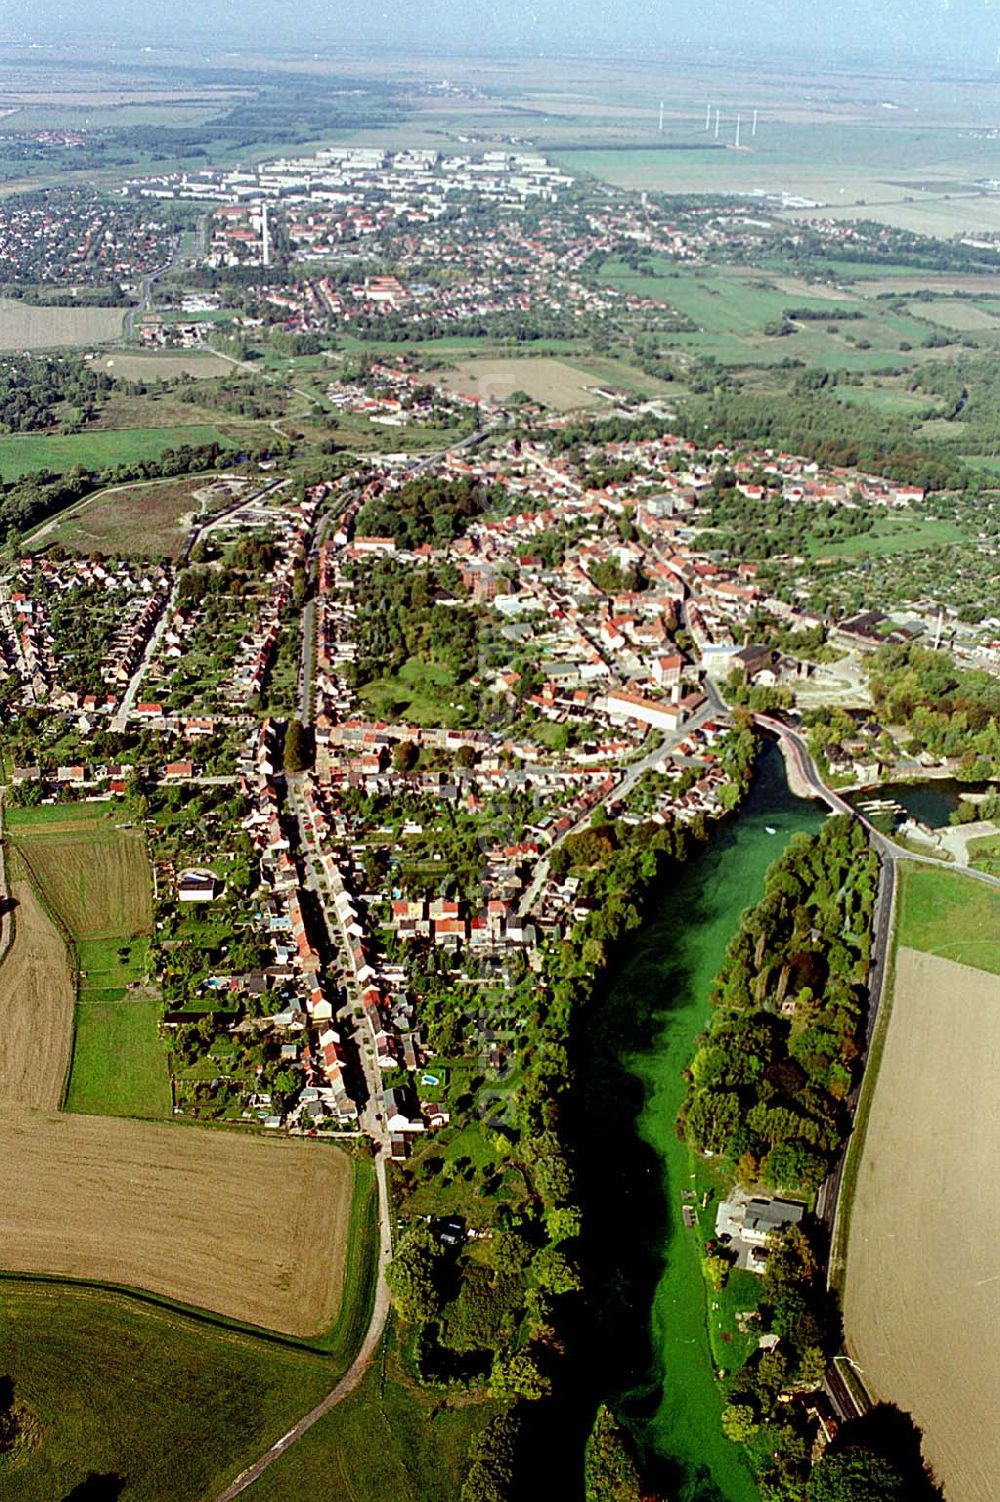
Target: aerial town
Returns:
[499, 779]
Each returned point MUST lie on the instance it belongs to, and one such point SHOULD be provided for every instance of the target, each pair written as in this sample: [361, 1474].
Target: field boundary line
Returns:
[125, 1293]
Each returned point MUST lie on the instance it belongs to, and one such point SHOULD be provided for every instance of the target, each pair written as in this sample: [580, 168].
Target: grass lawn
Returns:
[890, 534]
[984, 854]
[119, 1063]
[99, 449]
[390, 1439]
[888, 399]
[946, 913]
[421, 693]
[173, 1406]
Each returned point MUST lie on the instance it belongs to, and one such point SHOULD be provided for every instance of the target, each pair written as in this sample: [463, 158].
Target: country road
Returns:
[354, 1373]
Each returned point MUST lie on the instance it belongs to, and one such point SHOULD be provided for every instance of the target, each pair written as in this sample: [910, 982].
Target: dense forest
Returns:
[827, 432]
[35, 392]
[402, 617]
[423, 511]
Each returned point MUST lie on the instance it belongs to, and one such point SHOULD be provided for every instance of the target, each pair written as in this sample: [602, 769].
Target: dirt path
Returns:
[922, 1292]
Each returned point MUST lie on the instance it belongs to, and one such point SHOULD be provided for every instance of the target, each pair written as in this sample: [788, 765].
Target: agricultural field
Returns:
[921, 1292]
[100, 448]
[94, 880]
[895, 171]
[946, 914]
[24, 327]
[966, 317]
[889, 535]
[36, 1004]
[183, 1404]
[731, 312]
[552, 382]
[252, 1229]
[142, 520]
[163, 367]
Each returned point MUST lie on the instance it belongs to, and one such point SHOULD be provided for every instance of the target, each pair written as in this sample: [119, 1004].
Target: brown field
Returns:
[155, 367]
[37, 994]
[550, 381]
[23, 327]
[922, 1292]
[252, 1229]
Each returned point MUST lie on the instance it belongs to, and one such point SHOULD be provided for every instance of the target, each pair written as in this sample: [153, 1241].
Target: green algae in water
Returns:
[667, 979]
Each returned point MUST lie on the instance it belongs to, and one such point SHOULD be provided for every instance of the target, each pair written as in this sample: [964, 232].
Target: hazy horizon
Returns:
[965, 32]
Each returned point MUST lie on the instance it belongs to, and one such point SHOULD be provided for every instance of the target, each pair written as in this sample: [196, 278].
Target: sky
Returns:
[931, 31]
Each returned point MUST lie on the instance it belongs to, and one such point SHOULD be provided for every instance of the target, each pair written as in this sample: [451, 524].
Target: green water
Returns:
[661, 999]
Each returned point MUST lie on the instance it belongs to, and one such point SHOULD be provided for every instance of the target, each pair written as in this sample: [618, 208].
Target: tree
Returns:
[490, 1476]
[554, 1272]
[404, 757]
[856, 1474]
[412, 1277]
[715, 1270]
[297, 750]
[518, 1376]
[610, 1470]
[739, 1422]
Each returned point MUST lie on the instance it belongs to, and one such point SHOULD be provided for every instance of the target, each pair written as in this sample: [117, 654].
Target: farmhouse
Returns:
[197, 886]
[746, 1224]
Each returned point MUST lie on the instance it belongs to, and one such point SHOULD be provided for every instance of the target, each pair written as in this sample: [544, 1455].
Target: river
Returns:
[651, 1347]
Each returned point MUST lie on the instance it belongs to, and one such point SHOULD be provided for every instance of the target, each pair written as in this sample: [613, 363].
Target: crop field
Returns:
[922, 1295]
[163, 367]
[94, 879]
[911, 175]
[552, 382]
[967, 317]
[94, 874]
[731, 312]
[183, 1405]
[145, 520]
[252, 1229]
[36, 1005]
[119, 1063]
[101, 448]
[24, 327]
[947, 914]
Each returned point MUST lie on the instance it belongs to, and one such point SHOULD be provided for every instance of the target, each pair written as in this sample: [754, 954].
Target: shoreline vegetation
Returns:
[766, 1111]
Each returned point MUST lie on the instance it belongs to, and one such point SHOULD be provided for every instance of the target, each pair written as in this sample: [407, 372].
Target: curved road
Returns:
[355, 1371]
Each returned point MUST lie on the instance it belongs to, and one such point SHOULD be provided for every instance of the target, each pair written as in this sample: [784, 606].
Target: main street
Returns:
[373, 1126]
